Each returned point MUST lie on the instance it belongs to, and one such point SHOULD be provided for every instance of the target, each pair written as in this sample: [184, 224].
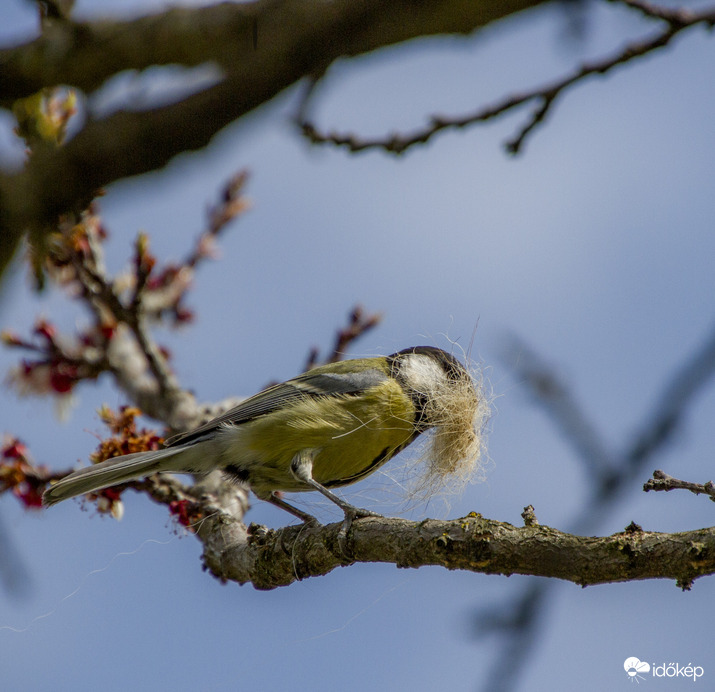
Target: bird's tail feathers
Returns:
[112, 472]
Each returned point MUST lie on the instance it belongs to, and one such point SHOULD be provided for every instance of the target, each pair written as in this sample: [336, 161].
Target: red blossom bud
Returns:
[180, 509]
[107, 331]
[63, 377]
[183, 315]
[29, 495]
[111, 494]
[14, 450]
[61, 383]
[46, 330]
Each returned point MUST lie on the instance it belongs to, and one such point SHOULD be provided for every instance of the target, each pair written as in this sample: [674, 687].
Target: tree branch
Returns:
[545, 96]
[662, 481]
[272, 558]
[295, 38]
[120, 341]
[238, 37]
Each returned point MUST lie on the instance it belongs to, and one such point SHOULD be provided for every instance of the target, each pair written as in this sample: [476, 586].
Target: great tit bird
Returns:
[326, 428]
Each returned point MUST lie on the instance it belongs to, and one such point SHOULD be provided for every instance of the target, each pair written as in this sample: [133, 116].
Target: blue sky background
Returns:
[596, 246]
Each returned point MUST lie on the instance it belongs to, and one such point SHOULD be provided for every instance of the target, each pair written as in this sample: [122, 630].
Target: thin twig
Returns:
[359, 323]
[232, 203]
[546, 95]
[103, 298]
[647, 9]
[662, 481]
[165, 378]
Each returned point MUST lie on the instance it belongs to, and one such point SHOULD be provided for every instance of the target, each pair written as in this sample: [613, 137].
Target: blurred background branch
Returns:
[609, 472]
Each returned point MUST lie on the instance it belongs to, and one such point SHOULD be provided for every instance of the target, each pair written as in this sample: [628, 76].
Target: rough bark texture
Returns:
[269, 558]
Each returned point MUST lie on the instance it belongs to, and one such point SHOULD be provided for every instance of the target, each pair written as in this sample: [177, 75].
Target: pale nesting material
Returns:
[456, 446]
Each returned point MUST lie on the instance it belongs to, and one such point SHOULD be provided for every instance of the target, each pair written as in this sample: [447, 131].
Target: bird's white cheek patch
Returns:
[422, 373]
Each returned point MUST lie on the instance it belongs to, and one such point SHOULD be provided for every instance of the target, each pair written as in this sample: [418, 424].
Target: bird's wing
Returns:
[307, 385]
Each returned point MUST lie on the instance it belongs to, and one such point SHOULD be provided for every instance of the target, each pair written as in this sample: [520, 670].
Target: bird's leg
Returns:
[303, 516]
[302, 468]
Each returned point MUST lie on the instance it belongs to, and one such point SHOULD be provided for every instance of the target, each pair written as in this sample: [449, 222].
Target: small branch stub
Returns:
[662, 481]
[529, 516]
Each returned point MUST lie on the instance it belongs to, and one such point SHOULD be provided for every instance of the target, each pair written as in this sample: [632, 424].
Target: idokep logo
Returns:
[635, 668]
[675, 670]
